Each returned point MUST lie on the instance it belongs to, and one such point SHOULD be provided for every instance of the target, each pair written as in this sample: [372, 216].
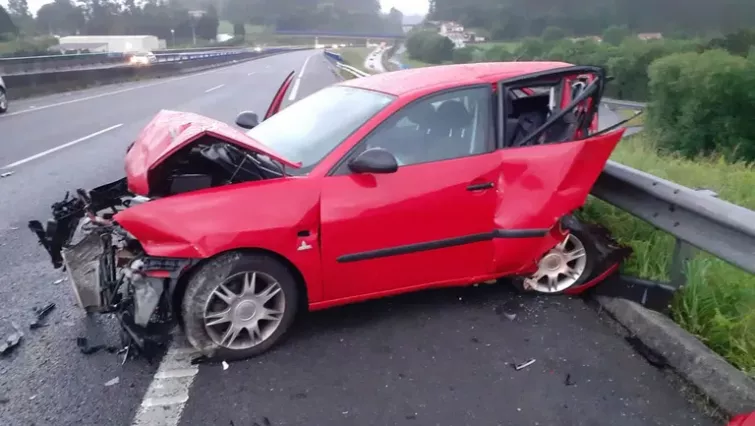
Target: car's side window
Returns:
[441, 127]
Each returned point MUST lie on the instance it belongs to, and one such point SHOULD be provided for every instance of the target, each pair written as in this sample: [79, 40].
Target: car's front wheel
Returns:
[239, 305]
[3, 101]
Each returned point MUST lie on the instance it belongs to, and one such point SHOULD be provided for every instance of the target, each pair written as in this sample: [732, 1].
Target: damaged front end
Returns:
[107, 267]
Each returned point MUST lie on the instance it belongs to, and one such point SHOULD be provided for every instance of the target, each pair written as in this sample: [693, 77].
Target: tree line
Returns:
[512, 19]
[172, 18]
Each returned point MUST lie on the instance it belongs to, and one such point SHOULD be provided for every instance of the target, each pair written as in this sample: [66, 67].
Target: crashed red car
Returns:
[444, 176]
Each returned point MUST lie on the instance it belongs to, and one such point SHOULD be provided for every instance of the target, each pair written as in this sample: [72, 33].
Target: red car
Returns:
[434, 177]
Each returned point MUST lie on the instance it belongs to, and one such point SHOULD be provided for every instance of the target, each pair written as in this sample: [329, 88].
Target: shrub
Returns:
[702, 103]
[430, 47]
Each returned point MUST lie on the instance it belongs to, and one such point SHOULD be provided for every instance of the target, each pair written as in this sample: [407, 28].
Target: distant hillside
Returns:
[413, 19]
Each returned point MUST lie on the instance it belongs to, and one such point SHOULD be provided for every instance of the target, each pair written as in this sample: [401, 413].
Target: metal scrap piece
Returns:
[41, 314]
[11, 341]
[524, 365]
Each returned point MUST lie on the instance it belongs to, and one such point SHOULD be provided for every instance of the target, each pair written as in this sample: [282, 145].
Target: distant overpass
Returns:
[341, 35]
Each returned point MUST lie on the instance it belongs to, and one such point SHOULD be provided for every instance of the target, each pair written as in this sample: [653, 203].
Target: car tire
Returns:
[3, 101]
[204, 295]
[577, 230]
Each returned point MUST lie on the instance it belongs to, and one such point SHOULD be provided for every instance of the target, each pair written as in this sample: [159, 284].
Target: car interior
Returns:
[455, 125]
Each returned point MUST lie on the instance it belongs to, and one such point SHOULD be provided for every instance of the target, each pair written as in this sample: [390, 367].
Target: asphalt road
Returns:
[47, 381]
[432, 358]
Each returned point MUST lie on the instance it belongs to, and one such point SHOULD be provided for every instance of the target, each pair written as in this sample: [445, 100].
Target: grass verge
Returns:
[718, 302]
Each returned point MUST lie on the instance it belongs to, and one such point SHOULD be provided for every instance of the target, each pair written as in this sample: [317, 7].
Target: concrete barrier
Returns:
[25, 85]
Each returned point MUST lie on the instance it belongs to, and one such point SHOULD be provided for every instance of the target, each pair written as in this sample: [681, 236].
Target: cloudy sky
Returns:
[408, 7]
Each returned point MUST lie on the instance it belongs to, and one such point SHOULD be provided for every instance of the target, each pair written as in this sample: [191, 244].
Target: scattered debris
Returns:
[59, 281]
[87, 349]
[41, 313]
[11, 341]
[6, 174]
[524, 365]
[568, 381]
[200, 360]
[113, 382]
[502, 311]
[225, 365]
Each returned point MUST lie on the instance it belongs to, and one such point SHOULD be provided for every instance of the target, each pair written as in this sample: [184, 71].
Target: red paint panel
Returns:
[417, 204]
[275, 105]
[170, 131]
[264, 215]
[540, 184]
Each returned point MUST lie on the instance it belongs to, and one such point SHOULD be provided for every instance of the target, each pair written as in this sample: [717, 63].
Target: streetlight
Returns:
[173, 37]
[195, 15]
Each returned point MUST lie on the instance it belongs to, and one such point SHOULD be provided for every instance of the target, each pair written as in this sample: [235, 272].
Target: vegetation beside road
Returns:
[699, 133]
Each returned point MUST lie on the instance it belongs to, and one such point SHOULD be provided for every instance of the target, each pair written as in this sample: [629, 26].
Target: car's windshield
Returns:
[307, 130]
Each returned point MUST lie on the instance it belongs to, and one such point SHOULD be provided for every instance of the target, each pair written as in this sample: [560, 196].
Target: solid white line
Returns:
[59, 147]
[297, 83]
[214, 88]
[168, 393]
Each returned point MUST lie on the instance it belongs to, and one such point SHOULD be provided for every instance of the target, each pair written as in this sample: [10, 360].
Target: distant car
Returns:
[425, 178]
[142, 58]
[3, 97]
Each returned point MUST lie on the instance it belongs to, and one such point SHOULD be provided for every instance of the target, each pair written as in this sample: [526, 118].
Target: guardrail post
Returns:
[683, 253]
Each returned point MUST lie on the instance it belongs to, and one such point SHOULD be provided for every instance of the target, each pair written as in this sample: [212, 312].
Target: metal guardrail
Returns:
[356, 72]
[32, 64]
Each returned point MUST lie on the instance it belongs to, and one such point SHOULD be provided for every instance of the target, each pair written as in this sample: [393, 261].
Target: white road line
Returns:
[297, 83]
[214, 88]
[168, 393]
[59, 147]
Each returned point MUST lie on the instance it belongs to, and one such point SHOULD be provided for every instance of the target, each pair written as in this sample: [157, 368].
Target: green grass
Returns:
[509, 45]
[354, 56]
[718, 302]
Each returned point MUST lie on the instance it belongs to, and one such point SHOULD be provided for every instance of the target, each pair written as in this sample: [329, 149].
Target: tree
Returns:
[553, 34]
[207, 24]
[614, 35]
[7, 27]
[239, 30]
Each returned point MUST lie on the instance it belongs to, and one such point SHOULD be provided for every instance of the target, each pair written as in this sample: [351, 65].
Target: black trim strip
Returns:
[445, 243]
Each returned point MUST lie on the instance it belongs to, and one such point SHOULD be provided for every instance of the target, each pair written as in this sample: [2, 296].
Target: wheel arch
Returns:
[179, 288]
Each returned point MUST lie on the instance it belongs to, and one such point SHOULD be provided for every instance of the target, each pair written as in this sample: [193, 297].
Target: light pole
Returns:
[173, 37]
[195, 15]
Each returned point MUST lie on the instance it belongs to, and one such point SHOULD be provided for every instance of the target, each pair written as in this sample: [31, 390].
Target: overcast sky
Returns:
[408, 7]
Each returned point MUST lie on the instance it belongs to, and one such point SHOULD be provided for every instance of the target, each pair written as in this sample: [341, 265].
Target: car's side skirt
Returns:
[444, 243]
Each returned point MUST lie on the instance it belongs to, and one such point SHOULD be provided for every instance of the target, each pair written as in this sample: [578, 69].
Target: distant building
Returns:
[649, 36]
[594, 38]
[116, 44]
[455, 33]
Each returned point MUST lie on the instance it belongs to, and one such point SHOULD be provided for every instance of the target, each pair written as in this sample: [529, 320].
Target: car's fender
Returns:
[278, 215]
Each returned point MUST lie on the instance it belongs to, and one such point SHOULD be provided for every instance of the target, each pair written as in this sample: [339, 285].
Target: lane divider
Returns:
[59, 147]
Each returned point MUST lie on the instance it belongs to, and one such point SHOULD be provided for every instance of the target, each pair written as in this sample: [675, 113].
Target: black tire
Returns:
[579, 230]
[5, 107]
[204, 281]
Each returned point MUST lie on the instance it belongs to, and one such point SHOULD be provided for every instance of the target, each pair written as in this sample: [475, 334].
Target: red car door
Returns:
[275, 105]
[429, 222]
[549, 176]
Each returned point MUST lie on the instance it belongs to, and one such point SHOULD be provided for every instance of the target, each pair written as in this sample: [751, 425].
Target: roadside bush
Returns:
[464, 55]
[430, 47]
[703, 103]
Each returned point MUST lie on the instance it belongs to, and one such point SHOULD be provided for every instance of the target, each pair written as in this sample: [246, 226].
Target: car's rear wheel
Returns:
[239, 305]
[3, 101]
[569, 264]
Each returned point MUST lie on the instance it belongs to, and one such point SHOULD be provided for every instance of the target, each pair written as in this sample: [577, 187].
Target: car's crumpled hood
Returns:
[168, 132]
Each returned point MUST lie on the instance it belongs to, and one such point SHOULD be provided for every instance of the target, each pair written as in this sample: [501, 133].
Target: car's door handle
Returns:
[480, 186]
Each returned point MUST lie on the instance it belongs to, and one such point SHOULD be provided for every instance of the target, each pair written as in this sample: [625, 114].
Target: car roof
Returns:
[447, 76]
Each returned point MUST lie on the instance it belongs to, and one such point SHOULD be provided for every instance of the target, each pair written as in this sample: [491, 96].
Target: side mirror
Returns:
[247, 120]
[374, 160]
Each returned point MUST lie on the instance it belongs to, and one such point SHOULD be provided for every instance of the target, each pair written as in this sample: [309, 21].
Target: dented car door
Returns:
[549, 163]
